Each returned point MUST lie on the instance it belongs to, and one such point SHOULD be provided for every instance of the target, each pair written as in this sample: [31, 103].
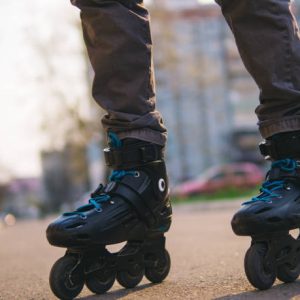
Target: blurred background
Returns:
[51, 139]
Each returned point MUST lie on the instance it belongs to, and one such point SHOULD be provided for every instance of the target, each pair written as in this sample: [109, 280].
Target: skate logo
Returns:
[162, 185]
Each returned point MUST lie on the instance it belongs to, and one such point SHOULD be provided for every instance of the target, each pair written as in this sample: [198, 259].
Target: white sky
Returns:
[24, 25]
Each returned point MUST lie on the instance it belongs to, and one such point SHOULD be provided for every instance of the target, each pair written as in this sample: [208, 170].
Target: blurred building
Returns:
[200, 83]
[22, 197]
[207, 97]
[65, 177]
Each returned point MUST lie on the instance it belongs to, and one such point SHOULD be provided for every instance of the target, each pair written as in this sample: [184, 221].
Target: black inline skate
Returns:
[269, 217]
[134, 207]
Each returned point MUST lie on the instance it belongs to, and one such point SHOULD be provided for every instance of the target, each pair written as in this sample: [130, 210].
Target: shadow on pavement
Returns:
[118, 294]
[278, 292]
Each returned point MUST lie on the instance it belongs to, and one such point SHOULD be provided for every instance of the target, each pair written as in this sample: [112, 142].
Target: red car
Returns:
[237, 175]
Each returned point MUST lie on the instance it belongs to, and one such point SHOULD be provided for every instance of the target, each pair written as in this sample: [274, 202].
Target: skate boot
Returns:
[134, 207]
[269, 217]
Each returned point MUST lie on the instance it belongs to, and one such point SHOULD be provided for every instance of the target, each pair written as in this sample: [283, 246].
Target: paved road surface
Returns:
[207, 262]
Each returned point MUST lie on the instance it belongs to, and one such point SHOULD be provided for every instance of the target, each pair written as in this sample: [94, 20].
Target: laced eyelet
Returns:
[83, 217]
[137, 174]
[99, 210]
[288, 188]
[112, 202]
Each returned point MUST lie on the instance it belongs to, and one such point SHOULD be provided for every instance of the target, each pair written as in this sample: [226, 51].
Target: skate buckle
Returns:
[266, 149]
[149, 153]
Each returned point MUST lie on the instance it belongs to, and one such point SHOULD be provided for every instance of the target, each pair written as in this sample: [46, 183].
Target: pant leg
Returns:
[267, 37]
[118, 40]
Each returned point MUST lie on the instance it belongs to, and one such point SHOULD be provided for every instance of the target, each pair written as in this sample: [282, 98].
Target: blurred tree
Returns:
[69, 117]
[3, 193]
[5, 173]
[5, 176]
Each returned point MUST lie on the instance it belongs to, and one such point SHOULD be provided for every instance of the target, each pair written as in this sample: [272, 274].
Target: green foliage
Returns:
[226, 194]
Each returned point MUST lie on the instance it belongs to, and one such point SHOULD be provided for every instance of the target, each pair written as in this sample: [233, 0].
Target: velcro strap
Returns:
[286, 147]
[132, 156]
[136, 201]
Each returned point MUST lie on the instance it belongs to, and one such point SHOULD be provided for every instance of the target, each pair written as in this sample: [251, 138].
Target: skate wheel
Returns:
[132, 277]
[100, 282]
[158, 273]
[259, 273]
[66, 278]
[287, 274]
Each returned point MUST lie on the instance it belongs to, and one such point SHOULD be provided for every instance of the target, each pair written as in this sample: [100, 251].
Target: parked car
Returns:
[234, 175]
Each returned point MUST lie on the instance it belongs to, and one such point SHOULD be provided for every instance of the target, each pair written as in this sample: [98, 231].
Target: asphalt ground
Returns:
[207, 261]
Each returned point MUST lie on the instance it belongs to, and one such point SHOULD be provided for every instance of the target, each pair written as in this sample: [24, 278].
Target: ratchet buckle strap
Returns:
[281, 146]
[131, 156]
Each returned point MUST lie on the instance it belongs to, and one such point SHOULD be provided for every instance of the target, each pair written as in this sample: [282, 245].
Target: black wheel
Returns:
[100, 282]
[66, 278]
[287, 274]
[259, 272]
[158, 273]
[132, 277]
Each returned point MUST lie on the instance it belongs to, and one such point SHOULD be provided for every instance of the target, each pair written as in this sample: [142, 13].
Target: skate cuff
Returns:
[127, 157]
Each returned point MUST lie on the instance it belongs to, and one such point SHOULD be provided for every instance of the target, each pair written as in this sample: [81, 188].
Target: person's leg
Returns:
[118, 39]
[134, 207]
[268, 40]
[267, 37]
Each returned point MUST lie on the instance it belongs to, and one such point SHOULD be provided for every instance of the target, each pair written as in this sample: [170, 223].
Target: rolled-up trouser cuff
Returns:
[271, 127]
[145, 134]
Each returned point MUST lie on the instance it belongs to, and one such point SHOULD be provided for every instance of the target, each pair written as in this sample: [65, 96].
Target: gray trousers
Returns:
[118, 40]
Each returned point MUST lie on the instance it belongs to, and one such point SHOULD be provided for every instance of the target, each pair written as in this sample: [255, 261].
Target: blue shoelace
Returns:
[269, 188]
[95, 202]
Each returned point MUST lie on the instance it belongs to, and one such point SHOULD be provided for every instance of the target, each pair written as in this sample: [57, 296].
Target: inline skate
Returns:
[134, 207]
[269, 217]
